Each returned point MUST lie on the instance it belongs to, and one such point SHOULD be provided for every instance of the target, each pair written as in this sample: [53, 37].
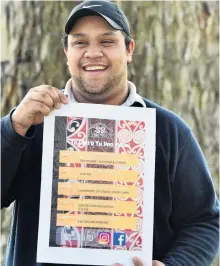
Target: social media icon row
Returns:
[119, 239]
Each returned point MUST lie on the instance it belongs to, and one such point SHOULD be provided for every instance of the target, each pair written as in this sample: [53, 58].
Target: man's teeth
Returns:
[95, 68]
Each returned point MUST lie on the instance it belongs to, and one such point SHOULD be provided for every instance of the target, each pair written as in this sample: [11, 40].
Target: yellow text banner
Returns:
[98, 174]
[88, 189]
[105, 158]
[88, 205]
[97, 221]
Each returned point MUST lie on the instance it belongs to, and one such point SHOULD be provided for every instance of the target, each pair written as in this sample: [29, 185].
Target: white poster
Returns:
[97, 188]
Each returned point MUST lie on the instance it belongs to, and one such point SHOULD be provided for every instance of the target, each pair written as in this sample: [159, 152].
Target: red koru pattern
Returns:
[130, 140]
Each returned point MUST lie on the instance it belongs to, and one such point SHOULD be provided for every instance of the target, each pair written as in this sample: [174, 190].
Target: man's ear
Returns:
[130, 50]
[65, 51]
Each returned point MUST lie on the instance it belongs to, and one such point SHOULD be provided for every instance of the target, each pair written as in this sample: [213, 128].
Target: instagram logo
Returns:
[104, 238]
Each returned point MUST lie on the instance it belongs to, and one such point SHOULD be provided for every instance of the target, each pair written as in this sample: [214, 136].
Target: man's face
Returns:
[97, 58]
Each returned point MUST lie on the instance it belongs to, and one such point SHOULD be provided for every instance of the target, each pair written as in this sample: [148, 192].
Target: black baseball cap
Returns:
[104, 8]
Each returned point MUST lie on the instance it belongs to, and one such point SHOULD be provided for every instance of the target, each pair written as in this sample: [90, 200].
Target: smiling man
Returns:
[98, 48]
[97, 59]
[98, 54]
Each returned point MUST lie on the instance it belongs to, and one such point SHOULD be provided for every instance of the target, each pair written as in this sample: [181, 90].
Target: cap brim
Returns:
[87, 12]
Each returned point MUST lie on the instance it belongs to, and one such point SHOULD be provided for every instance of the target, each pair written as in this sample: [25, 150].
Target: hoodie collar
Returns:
[133, 96]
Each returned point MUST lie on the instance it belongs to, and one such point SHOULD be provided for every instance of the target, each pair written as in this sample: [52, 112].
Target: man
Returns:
[98, 48]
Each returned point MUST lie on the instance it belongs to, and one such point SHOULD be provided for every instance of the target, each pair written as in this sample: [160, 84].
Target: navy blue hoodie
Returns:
[186, 212]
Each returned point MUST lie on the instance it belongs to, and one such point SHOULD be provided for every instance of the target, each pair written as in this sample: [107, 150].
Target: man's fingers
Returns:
[51, 91]
[60, 97]
[56, 95]
[42, 97]
[63, 98]
[38, 101]
[39, 107]
[157, 263]
[137, 262]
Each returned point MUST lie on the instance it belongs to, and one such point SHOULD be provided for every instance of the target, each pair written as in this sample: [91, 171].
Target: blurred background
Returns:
[175, 64]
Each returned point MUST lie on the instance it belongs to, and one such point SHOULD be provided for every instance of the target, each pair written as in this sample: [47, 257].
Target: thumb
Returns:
[63, 98]
[157, 263]
[137, 262]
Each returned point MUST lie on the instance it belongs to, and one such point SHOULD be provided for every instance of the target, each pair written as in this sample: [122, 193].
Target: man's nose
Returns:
[93, 52]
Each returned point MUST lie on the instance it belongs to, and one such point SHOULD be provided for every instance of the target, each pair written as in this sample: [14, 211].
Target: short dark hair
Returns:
[65, 40]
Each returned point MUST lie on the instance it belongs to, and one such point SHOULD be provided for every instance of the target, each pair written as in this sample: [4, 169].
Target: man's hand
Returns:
[157, 263]
[138, 262]
[38, 103]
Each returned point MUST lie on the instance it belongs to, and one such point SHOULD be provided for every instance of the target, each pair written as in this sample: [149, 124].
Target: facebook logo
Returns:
[119, 239]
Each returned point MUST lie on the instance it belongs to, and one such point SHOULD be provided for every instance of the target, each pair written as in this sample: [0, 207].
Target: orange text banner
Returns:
[97, 221]
[106, 158]
[98, 174]
[88, 189]
[88, 205]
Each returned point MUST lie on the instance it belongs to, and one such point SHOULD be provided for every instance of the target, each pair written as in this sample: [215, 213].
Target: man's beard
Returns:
[96, 91]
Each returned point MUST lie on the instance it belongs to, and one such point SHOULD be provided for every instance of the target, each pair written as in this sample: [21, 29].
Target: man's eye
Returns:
[107, 42]
[80, 43]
